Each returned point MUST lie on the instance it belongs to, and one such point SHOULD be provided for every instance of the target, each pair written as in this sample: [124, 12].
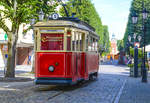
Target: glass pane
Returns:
[77, 44]
[52, 41]
[68, 43]
[87, 43]
[73, 41]
[69, 40]
[81, 42]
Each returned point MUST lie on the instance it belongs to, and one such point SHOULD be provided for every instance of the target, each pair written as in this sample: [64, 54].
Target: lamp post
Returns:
[144, 69]
[135, 52]
[134, 21]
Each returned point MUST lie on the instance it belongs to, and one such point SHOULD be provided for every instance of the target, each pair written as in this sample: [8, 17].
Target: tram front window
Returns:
[52, 41]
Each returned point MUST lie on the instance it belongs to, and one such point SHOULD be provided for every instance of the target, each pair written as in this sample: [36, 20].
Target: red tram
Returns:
[65, 52]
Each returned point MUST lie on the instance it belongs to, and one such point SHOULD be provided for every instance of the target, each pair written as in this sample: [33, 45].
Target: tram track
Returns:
[29, 90]
[55, 95]
[70, 88]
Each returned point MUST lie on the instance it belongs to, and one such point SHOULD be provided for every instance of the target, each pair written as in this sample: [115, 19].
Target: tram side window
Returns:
[93, 45]
[69, 40]
[77, 42]
[96, 45]
[90, 44]
[79, 46]
[73, 41]
[87, 43]
[81, 42]
[35, 39]
[52, 41]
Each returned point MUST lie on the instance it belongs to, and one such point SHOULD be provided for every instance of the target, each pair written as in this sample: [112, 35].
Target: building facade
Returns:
[24, 45]
[114, 50]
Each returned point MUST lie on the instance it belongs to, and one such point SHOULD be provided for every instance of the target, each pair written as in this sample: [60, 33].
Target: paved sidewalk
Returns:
[22, 74]
[135, 91]
[20, 70]
[113, 86]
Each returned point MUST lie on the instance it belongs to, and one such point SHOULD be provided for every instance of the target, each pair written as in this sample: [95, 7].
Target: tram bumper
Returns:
[54, 81]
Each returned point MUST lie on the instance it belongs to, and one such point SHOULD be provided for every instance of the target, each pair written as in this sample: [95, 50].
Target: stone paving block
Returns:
[135, 91]
[104, 90]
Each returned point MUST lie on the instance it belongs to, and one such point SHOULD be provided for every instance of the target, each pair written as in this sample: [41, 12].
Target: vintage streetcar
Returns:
[66, 52]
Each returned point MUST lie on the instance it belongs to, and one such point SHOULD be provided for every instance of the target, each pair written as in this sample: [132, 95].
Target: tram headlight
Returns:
[51, 68]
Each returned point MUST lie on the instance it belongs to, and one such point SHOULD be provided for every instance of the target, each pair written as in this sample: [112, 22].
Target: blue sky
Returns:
[114, 13]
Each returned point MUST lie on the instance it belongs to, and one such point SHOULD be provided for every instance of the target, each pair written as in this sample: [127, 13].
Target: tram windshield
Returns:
[52, 41]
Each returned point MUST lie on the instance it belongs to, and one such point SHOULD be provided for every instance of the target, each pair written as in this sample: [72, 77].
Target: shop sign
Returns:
[5, 48]
[3, 36]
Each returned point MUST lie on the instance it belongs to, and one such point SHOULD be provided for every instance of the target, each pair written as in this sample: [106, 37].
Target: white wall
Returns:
[1, 60]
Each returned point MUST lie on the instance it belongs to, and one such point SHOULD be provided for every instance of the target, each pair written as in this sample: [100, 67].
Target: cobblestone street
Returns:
[113, 86]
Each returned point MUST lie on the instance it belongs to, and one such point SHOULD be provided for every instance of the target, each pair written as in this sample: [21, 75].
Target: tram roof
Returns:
[66, 23]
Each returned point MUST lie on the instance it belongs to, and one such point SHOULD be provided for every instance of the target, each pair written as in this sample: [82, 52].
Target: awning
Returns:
[25, 43]
[147, 48]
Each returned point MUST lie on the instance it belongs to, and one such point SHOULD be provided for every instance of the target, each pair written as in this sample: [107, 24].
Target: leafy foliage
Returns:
[18, 12]
[106, 42]
[120, 45]
[86, 12]
[139, 53]
[24, 11]
[136, 7]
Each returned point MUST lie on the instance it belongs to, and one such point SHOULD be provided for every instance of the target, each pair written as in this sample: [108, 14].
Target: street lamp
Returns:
[135, 54]
[134, 21]
[145, 13]
[134, 18]
[41, 15]
[129, 38]
[144, 69]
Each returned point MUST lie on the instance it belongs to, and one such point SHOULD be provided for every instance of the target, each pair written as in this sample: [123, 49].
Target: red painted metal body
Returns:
[72, 66]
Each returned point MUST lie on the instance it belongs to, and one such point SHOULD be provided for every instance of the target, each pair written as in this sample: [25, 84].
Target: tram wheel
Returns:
[93, 76]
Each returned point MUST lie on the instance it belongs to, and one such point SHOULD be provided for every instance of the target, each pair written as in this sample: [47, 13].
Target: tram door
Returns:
[78, 47]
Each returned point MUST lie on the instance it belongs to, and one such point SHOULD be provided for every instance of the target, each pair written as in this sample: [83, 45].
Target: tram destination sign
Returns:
[51, 31]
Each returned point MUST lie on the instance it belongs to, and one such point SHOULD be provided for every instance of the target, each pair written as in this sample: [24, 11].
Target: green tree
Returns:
[139, 52]
[120, 45]
[136, 7]
[86, 12]
[106, 41]
[18, 12]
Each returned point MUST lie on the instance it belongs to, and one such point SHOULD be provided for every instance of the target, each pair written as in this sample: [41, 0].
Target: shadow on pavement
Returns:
[66, 88]
[16, 79]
